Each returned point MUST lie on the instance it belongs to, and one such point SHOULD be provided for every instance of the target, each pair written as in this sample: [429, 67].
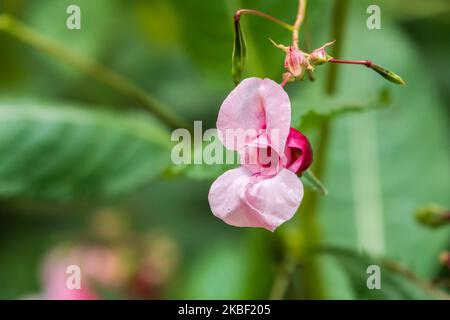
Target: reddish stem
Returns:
[285, 80]
[366, 63]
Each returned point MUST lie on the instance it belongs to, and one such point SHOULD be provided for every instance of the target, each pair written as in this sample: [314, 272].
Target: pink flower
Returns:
[295, 62]
[99, 266]
[254, 120]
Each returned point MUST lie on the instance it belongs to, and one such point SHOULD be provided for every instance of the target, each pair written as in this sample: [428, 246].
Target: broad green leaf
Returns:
[198, 171]
[310, 106]
[215, 160]
[57, 151]
[239, 53]
[396, 281]
[205, 171]
[378, 168]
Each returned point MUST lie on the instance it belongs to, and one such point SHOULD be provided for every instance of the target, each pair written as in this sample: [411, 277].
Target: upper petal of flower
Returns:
[254, 107]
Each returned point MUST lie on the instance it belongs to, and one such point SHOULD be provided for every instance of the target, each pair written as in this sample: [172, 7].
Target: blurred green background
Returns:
[82, 166]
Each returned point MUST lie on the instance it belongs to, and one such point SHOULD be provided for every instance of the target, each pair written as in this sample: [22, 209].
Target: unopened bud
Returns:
[433, 216]
[445, 258]
[295, 62]
[319, 56]
[387, 74]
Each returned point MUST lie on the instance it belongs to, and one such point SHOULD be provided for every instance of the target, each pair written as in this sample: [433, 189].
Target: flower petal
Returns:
[253, 107]
[275, 199]
[225, 199]
[259, 157]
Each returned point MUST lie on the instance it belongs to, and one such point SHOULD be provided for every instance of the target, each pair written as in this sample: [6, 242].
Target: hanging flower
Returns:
[254, 120]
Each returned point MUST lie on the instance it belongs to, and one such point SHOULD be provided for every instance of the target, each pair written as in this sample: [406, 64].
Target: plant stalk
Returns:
[240, 12]
[298, 22]
[366, 63]
[91, 68]
[311, 277]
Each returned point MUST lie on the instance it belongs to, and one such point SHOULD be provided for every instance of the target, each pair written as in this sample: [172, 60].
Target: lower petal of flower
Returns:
[275, 199]
[243, 200]
[226, 199]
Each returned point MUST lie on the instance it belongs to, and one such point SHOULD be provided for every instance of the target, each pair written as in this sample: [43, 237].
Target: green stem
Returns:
[298, 21]
[240, 12]
[312, 280]
[91, 68]
[283, 279]
[413, 278]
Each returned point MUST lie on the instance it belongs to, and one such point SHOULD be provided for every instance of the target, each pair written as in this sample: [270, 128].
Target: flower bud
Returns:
[445, 258]
[319, 56]
[298, 152]
[433, 216]
[295, 62]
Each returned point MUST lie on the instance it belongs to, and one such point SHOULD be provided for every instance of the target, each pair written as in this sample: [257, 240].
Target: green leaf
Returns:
[313, 182]
[97, 19]
[205, 171]
[239, 52]
[397, 282]
[374, 159]
[56, 151]
[310, 106]
[387, 74]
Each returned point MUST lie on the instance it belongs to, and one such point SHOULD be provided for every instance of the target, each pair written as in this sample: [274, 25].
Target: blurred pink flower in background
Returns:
[138, 267]
[265, 191]
[54, 276]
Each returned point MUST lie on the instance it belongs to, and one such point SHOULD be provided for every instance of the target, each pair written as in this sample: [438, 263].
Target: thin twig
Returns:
[240, 12]
[283, 279]
[366, 63]
[98, 72]
[412, 277]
